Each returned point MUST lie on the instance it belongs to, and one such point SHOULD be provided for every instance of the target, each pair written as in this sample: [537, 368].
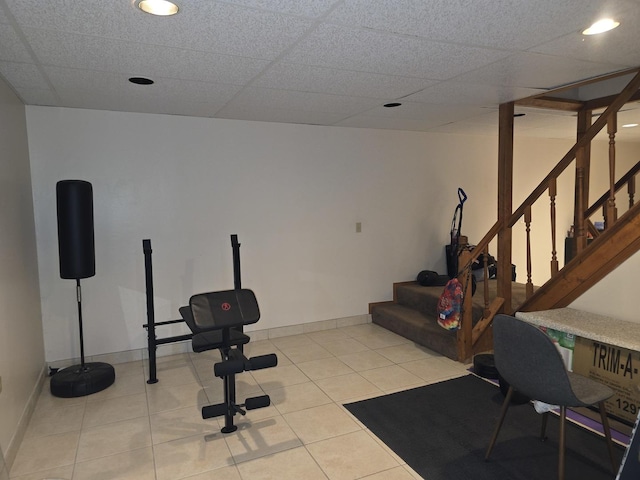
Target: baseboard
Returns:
[18, 436]
[185, 345]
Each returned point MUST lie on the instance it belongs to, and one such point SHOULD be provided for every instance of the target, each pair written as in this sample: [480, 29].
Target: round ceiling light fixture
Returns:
[629, 125]
[392, 105]
[601, 26]
[162, 8]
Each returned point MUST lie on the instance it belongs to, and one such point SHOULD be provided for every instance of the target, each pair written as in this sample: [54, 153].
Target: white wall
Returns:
[292, 193]
[21, 340]
[616, 295]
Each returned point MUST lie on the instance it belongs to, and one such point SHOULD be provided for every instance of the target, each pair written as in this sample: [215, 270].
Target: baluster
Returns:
[554, 253]
[464, 336]
[579, 240]
[485, 270]
[583, 167]
[527, 222]
[631, 188]
[611, 213]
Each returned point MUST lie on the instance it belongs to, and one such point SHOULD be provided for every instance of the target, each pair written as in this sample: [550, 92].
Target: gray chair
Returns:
[531, 364]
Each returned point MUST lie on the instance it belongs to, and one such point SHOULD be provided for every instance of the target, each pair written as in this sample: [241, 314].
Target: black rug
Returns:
[442, 431]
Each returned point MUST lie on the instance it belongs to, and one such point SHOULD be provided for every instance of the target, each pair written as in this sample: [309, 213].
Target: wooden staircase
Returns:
[412, 313]
[604, 254]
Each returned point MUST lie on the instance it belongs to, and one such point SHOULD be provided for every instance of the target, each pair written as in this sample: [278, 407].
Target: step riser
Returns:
[424, 300]
[425, 331]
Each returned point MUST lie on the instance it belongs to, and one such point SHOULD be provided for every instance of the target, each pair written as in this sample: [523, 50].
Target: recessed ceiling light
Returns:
[141, 81]
[162, 8]
[630, 125]
[601, 26]
[391, 105]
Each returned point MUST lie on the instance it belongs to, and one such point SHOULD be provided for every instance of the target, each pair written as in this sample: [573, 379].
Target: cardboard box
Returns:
[616, 367]
[565, 343]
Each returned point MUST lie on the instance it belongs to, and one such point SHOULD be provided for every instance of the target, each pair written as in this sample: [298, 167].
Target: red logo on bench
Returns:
[226, 306]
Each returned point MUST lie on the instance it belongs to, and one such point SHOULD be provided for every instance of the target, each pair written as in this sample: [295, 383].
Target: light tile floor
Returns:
[134, 430]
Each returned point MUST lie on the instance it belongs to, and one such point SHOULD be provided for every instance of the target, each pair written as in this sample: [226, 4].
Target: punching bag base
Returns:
[81, 380]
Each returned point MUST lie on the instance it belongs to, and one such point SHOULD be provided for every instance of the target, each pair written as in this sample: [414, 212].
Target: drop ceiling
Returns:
[450, 63]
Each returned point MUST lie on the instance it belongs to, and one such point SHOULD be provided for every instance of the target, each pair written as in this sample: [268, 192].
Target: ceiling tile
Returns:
[619, 46]
[534, 70]
[323, 62]
[368, 51]
[468, 128]
[109, 84]
[262, 98]
[304, 8]
[454, 93]
[4, 19]
[11, 47]
[37, 96]
[104, 54]
[128, 103]
[339, 82]
[434, 114]
[202, 25]
[281, 115]
[27, 75]
[510, 24]
[365, 121]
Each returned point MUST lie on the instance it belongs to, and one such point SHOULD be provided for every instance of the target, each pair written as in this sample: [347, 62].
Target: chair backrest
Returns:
[530, 362]
[228, 308]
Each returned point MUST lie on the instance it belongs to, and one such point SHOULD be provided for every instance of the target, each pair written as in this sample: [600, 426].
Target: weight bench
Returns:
[216, 319]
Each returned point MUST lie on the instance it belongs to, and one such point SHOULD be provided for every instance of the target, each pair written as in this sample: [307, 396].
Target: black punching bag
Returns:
[75, 229]
[76, 250]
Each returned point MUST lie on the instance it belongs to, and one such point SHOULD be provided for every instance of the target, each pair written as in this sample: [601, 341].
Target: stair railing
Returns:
[469, 335]
[628, 179]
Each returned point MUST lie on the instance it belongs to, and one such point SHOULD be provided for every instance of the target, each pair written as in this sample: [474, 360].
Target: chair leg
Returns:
[503, 413]
[607, 434]
[563, 417]
[543, 428]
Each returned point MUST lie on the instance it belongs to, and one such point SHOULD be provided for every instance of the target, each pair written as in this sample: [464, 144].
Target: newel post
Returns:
[583, 163]
[505, 203]
[464, 335]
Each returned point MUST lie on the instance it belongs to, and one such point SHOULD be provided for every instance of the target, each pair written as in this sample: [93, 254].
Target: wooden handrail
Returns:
[468, 335]
[481, 246]
[619, 184]
[624, 96]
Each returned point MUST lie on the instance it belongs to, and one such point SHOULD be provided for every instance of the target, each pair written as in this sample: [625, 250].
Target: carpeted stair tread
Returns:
[414, 314]
[425, 299]
[416, 326]
[417, 297]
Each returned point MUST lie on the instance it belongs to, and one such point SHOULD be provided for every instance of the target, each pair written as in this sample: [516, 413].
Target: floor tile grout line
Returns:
[353, 332]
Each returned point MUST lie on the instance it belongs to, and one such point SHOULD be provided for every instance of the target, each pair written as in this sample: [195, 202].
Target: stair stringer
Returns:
[612, 248]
